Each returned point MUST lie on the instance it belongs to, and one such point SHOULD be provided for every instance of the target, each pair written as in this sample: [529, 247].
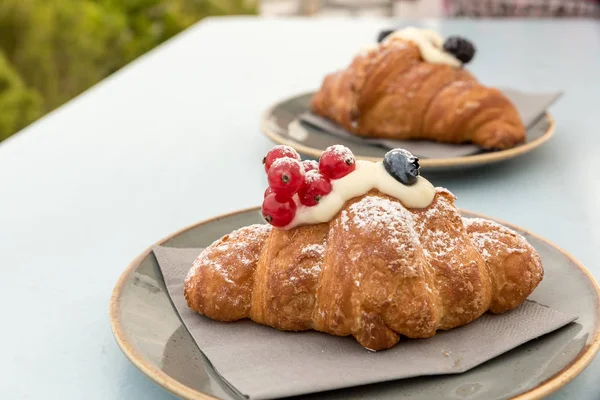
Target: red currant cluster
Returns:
[293, 182]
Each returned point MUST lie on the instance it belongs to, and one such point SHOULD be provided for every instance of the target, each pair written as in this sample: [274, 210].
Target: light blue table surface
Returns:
[173, 138]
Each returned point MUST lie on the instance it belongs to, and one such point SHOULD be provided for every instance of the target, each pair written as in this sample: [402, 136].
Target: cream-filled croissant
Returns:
[412, 86]
[380, 254]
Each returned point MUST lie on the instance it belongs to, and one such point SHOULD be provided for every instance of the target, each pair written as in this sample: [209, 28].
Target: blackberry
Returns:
[383, 34]
[460, 47]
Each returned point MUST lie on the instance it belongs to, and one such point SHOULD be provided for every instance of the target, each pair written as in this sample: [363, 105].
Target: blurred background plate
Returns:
[151, 335]
[282, 125]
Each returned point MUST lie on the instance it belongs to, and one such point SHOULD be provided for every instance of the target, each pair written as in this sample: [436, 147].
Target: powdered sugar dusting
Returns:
[489, 242]
[438, 243]
[312, 176]
[340, 151]
[374, 213]
[483, 222]
[288, 162]
[444, 191]
[234, 244]
[441, 244]
[315, 251]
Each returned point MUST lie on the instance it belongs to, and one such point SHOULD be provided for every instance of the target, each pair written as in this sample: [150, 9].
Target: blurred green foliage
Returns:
[52, 50]
[19, 105]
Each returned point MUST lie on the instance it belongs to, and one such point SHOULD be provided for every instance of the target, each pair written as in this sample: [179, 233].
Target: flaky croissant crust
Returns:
[390, 91]
[376, 271]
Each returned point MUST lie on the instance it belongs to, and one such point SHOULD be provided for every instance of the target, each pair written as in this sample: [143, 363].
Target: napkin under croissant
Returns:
[376, 271]
[390, 91]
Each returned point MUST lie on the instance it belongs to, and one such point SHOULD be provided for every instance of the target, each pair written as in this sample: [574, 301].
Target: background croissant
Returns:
[376, 271]
[389, 91]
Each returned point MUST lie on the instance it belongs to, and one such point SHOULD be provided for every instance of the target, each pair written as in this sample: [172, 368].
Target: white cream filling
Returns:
[367, 175]
[430, 44]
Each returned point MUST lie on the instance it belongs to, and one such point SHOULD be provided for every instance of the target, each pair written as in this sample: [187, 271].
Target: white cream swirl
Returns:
[367, 175]
[429, 42]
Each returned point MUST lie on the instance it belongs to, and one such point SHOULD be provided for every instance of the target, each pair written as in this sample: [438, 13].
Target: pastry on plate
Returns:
[412, 85]
[358, 248]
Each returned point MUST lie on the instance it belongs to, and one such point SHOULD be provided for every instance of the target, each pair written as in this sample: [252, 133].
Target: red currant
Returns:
[337, 161]
[285, 176]
[268, 192]
[314, 187]
[279, 151]
[278, 211]
[310, 165]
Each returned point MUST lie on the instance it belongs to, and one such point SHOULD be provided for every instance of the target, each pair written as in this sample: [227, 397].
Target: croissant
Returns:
[376, 271]
[391, 91]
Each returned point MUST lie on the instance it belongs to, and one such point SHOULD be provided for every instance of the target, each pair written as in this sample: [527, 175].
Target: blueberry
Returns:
[383, 34]
[402, 166]
[460, 47]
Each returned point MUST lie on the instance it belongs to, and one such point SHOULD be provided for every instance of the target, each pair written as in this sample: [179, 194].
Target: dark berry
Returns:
[460, 47]
[402, 166]
[285, 176]
[279, 151]
[314, 187]
[337, 161]
[383, 34]
[278, 211]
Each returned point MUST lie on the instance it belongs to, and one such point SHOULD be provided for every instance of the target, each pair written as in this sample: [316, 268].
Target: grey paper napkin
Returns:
[260, 362]
[531, 107]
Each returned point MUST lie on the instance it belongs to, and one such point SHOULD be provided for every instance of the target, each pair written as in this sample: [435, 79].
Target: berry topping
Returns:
[277, 152]
[314, 187]
[285, 176]
[278, 211]
[268, 192]
[383, 34]
[402, 165]
[336, 162]
[460, 47]
[310, 165]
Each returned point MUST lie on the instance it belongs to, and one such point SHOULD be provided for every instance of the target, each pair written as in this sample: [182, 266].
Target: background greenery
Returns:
[52, 50]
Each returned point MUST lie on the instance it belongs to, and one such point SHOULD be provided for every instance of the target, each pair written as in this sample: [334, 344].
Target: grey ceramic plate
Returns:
[149, 332]
[282, 125]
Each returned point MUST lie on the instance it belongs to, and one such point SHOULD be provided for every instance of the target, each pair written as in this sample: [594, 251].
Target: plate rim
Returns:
[545, 388]
[485, 158]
